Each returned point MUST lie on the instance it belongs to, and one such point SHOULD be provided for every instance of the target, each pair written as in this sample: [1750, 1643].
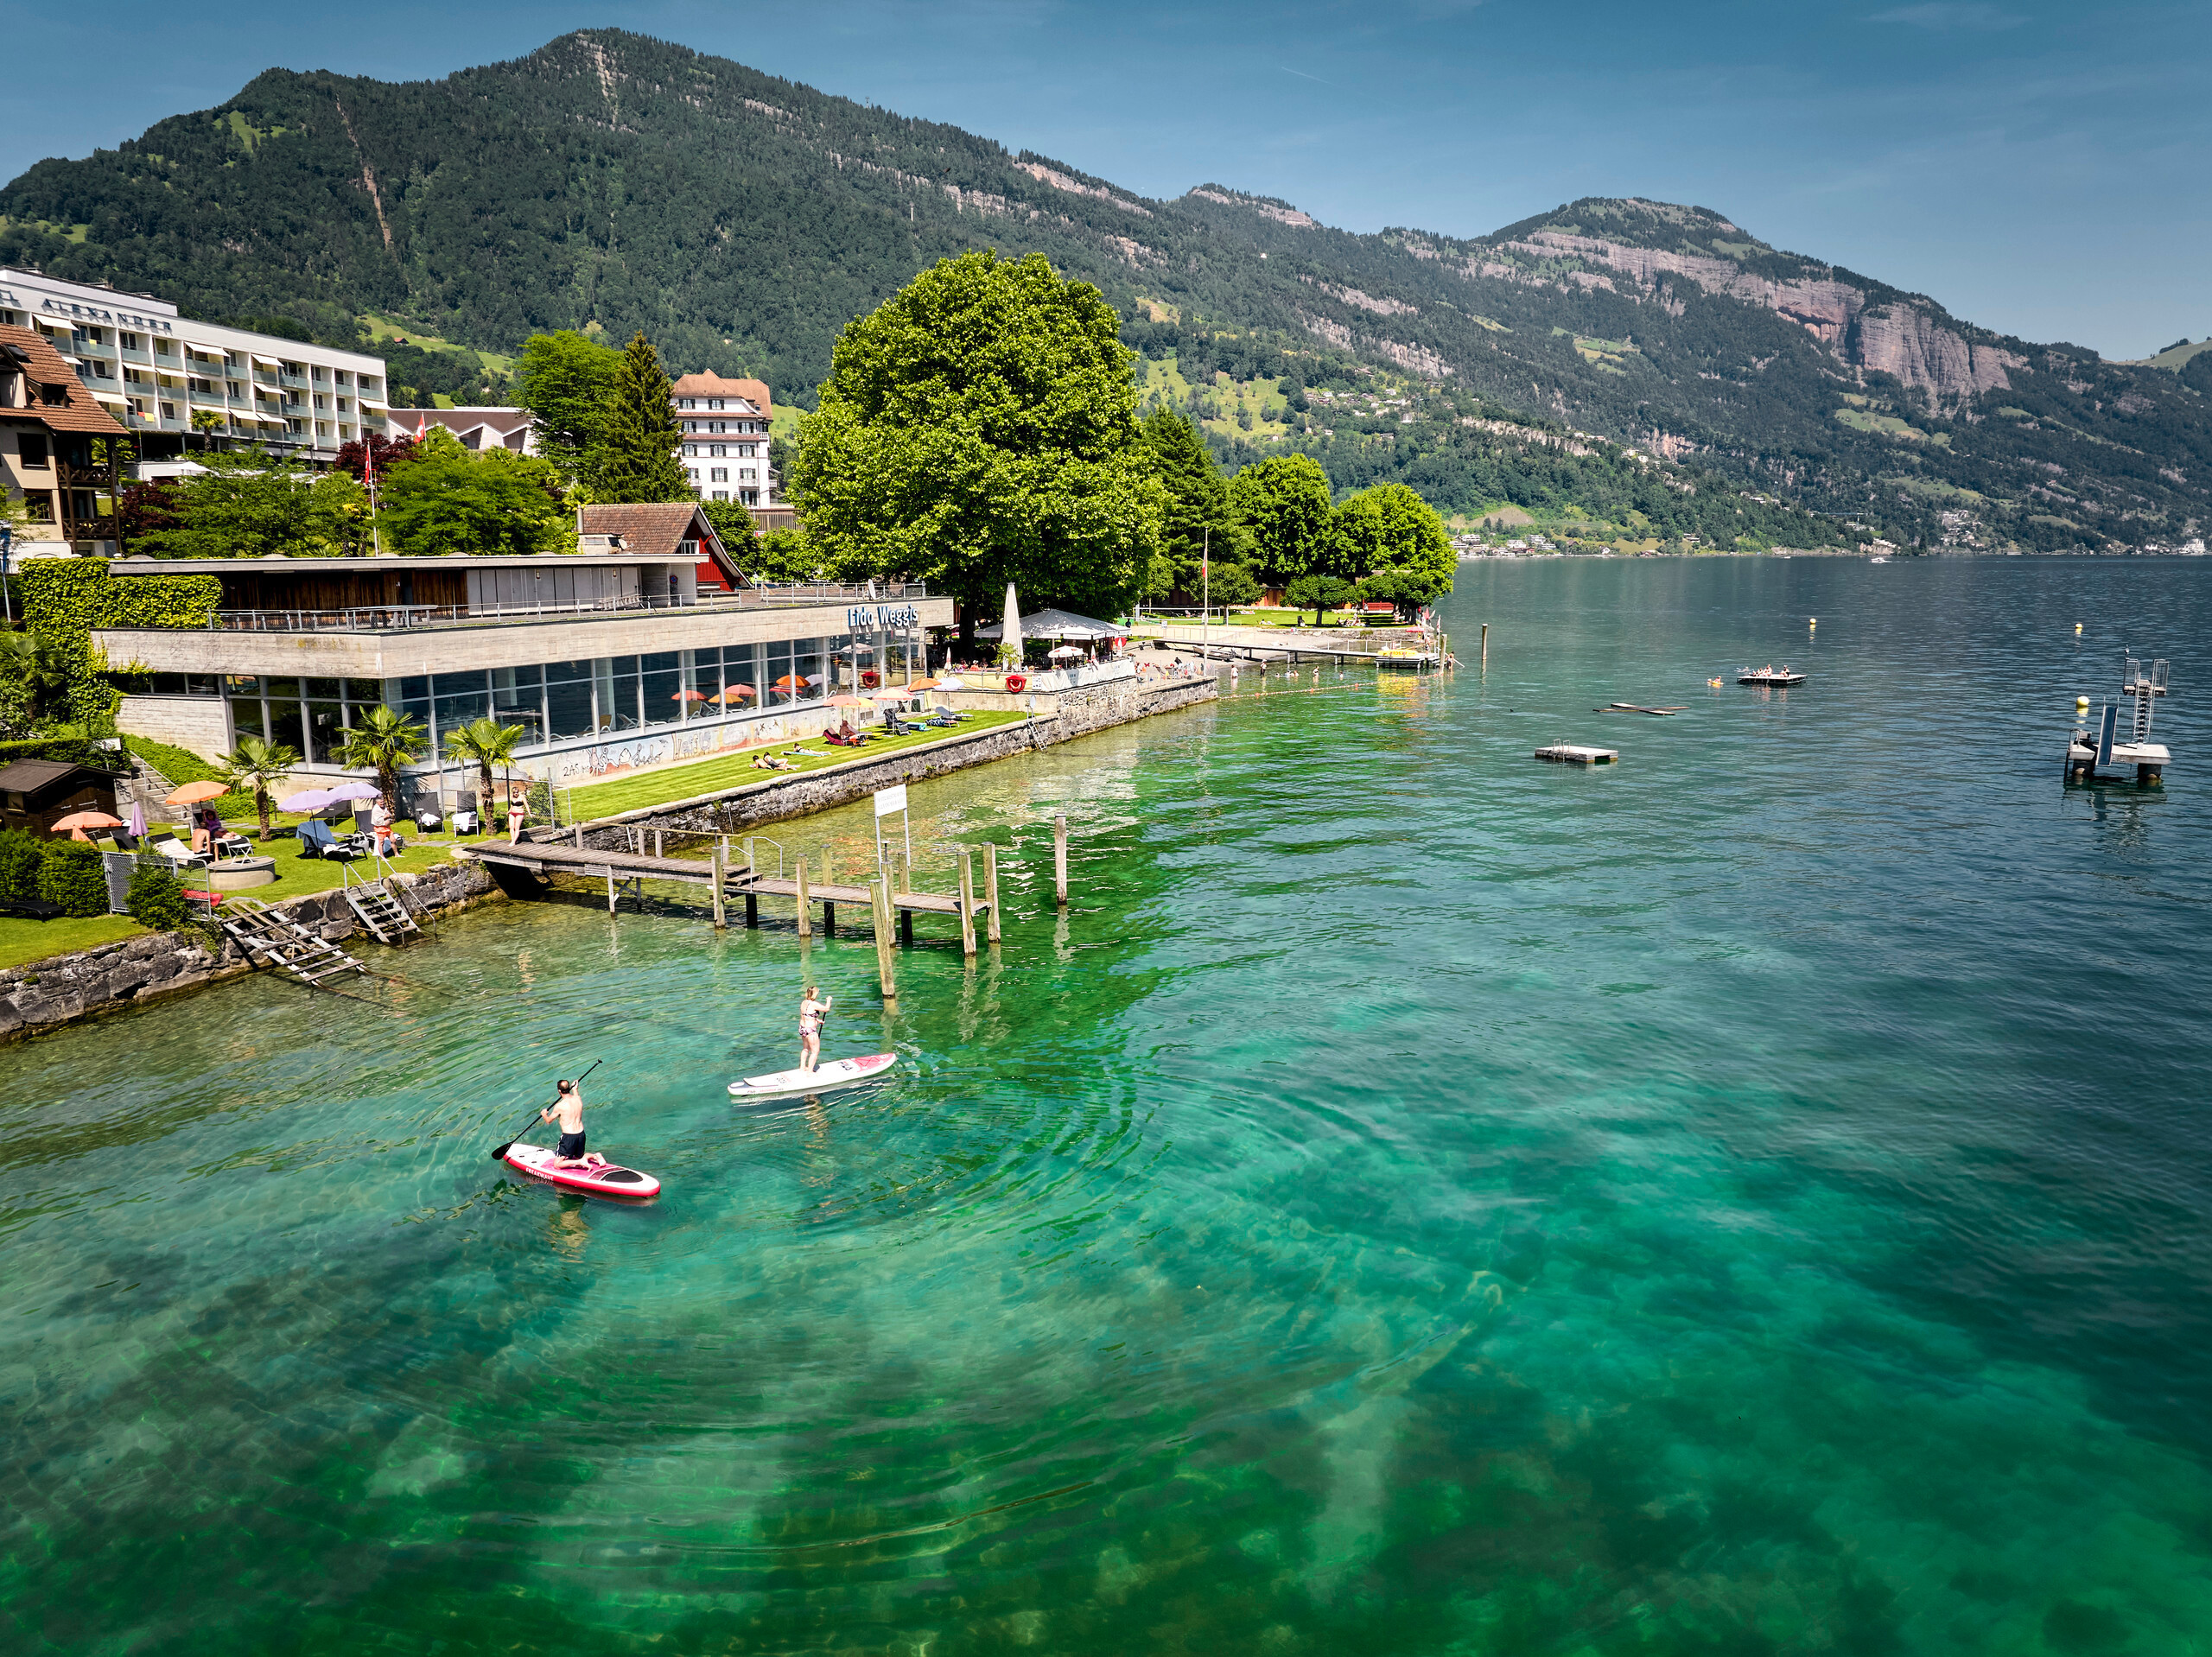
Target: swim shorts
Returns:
[572, 1146]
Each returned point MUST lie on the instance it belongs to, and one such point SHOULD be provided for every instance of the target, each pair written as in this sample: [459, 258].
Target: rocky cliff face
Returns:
[1893, 337]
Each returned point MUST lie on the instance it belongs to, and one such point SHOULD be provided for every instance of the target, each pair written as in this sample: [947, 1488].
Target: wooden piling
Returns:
[907, 928]
[806, 915]
[752, 911]
[879, 904]
[1060, 859]
[966, 903]
[1485, 644]
[829, 874]
[721, 872]
[991, 890]
[829, 913]
[580, 836]
[657, 844]
[610, 891]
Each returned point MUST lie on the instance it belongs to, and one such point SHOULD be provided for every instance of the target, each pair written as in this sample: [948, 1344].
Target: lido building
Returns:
[647, 644]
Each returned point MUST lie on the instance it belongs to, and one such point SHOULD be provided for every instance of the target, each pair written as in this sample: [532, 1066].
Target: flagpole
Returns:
[1205, 592]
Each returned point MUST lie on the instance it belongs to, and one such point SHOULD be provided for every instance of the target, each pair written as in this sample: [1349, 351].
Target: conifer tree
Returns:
[635, 458]
[1198, 518]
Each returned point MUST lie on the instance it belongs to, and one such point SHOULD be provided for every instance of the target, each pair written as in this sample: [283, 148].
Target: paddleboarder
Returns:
[811, 1014]
[568, 1106]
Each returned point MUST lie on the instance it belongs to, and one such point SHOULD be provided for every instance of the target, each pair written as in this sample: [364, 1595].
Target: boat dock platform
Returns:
[1574, 753]
[2107, 746]
[542, 860]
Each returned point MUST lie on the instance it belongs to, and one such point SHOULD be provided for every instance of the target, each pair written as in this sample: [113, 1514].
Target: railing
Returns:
[830, 592]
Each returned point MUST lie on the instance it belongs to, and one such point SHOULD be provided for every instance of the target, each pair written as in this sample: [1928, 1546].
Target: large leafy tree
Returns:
[1395, 543]
[253, 502]
[1198, 522]
[634, 458]
[1283, 501]
[447, 498]
[565, 380]
[981, 428]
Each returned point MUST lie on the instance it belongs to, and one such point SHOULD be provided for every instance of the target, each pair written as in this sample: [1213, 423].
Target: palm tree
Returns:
[41, 665]
[487, 743]
[260, 767]
[384, 740]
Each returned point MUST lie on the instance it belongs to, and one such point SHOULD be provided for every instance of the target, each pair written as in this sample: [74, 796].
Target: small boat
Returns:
[1877, 561]
[825, 1078]
[1769, 677]
[602, 1179]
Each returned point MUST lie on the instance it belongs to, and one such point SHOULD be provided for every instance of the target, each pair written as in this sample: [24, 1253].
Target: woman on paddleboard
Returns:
[811, 1014]
[569, 1108]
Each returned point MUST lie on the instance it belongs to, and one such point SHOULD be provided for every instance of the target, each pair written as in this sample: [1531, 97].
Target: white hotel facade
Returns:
[154, 370]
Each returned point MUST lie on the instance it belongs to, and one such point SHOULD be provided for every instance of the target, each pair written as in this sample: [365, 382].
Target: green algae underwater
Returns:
[1751, 1199]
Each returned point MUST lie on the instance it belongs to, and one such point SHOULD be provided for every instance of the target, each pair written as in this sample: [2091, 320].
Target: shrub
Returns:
[74, 876]
[155, 900]
[23, 859]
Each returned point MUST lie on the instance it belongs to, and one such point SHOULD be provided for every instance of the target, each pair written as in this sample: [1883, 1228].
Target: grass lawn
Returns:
[25, 940]
[732, 770]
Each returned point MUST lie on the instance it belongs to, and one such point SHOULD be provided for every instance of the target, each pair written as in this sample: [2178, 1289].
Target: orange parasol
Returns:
[689, 695]
[77, 821]
[846, 702]
[193, 793]
[737, 693]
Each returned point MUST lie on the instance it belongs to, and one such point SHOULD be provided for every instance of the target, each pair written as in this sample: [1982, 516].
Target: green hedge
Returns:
[23, 859]
[64, 599]
[69, 745]
[155, 900]
[73, 875]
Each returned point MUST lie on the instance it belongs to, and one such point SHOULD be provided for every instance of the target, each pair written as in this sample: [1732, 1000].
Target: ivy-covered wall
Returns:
[66, 598]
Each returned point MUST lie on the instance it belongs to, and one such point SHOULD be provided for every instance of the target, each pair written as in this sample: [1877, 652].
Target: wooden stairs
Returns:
[271, 938]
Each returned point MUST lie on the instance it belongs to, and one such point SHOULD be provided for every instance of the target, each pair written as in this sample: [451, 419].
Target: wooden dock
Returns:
[1574, 753]
[620, 870]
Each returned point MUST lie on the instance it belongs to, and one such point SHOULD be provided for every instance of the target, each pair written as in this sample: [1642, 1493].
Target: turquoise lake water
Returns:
[1751, 1199]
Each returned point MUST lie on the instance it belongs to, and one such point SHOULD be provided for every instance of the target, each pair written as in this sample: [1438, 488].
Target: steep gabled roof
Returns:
[33, 353]
[658, 531]
[713, 385]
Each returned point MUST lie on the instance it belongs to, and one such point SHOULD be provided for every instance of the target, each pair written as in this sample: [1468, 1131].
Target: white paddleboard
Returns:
[837, 1073]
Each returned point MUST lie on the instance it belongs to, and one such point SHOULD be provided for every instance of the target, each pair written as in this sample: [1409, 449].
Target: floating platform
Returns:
[1573, 753]
[1632, 708]
[1784, 679]
[2150, 760]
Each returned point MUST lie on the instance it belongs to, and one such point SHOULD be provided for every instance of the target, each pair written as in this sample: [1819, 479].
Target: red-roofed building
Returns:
[47, 421]
[725, 452]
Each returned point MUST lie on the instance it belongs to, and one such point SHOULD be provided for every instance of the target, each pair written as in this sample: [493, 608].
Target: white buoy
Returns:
[2077, 633]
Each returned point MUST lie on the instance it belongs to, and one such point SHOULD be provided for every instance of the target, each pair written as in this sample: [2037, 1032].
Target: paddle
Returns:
[499, 1152]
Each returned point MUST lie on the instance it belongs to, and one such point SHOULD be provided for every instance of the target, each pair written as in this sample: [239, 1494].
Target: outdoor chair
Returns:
[317, 841]
[30, 909]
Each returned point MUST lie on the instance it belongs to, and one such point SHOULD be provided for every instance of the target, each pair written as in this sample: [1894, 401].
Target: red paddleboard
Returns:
[824, 1078]
[608, 1179]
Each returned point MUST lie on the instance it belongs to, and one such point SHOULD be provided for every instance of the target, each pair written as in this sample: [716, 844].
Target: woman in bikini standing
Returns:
[811, 1014]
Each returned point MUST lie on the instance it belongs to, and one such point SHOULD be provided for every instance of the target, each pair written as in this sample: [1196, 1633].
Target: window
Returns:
[717, 474]
[691, 425]
[722, 494]
[750, 473]
[690, 451]
[165, 347]
[568, 699]
[713, 402]
[662, 681]
[692, 472]
[718, 449]
[32, 450]
[131, 341]
[344, 379]
[168, 412]
[683, 402]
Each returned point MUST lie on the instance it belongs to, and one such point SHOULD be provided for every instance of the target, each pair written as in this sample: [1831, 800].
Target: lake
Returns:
[1750, 1198]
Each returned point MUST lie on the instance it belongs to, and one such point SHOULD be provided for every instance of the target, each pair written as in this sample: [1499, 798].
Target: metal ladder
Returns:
[380, 905]
[270, 938]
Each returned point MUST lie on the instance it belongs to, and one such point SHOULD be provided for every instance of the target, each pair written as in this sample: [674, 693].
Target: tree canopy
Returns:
[1394, 543]
[634, 456]
[565, 378]
[1197, 522]
[1283, 501]
[251, 504]
[448, 500]
[981, 428]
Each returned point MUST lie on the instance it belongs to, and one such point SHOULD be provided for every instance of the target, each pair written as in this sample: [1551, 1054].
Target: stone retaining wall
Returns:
[1078, 713]
[48, 993]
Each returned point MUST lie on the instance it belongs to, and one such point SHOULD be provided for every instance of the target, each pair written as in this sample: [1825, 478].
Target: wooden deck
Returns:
[1574, 753]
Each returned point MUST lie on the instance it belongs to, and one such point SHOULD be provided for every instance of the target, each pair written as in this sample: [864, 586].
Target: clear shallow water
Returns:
[1749, 1199]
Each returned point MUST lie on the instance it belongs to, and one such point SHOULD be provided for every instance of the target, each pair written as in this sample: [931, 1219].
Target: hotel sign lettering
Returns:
[120, 319]
[861, 618]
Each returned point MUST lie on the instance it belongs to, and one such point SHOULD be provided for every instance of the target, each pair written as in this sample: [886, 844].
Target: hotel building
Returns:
[725, 451]
[153, 370]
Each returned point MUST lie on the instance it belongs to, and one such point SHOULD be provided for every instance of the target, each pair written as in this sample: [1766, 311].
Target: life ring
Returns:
[1017, 682]
[870, 677]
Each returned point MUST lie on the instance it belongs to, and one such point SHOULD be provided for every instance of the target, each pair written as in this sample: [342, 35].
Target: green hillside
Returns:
[612, 180]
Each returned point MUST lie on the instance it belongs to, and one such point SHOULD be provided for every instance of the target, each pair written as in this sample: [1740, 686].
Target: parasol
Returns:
[1058, 651]
[690, 696]
[77, 821]
[736, 693]
[354, 791]
[308, 799]
[193, 793]
[846, 702]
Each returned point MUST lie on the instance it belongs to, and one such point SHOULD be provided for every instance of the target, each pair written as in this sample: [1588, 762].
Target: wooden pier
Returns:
[1574, 753]
[630, 870]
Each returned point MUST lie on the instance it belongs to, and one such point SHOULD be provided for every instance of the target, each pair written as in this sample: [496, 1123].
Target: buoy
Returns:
[2080, 701]
[1812, 621]
[2077, 633]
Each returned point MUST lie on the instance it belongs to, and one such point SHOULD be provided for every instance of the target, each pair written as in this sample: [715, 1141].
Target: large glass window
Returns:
[809, 664]
[325, 732]
[662, 680]
[617, 680]
[568, 699]
[779, 687]
[458, 698]
[518, 698]
[286, 725]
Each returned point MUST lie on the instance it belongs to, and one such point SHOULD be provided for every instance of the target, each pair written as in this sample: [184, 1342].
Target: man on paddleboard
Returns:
[569, 1108]
[811, 1014]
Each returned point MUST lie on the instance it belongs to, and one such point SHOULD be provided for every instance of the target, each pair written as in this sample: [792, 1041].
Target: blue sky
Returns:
[2041, 168]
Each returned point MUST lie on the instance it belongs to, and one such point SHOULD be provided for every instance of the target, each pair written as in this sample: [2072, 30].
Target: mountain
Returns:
[615, 182]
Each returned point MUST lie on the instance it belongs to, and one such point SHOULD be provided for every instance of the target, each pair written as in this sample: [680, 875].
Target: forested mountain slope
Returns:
[614, 181]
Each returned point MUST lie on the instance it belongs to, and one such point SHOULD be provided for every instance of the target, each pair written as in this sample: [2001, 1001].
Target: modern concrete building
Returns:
[609, 658]
[154, 370]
